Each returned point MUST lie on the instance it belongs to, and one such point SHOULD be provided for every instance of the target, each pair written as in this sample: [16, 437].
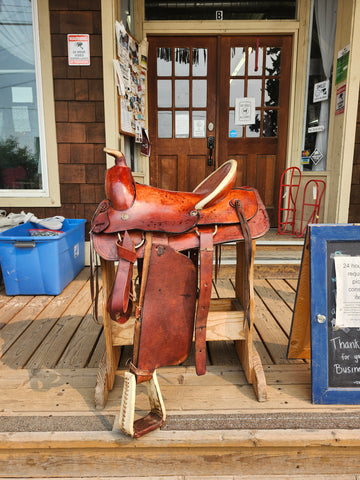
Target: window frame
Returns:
[49, 195]
[314, 167]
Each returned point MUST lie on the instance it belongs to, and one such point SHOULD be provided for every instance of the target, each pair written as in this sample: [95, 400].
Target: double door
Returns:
[216, 98]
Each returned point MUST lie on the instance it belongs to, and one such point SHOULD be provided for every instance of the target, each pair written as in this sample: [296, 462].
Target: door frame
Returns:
[298, 29]
[278, 146]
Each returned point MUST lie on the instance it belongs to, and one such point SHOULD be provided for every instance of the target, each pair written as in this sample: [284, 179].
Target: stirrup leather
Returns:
[153, 420]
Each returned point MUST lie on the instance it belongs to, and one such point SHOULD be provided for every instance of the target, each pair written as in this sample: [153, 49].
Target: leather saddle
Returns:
[172, 236]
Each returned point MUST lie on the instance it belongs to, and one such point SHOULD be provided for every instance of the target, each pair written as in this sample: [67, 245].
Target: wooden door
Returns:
[198, 88]
[182, 91]
[256, 68]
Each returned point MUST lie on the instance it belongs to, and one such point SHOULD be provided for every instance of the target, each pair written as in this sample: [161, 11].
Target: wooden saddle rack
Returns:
[172, 236]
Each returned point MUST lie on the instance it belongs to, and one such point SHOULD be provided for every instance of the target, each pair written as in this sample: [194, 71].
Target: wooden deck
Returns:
[49, 427]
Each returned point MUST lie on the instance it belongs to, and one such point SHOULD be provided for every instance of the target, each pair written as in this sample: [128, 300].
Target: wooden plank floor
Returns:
[60, 332]
[50, 349]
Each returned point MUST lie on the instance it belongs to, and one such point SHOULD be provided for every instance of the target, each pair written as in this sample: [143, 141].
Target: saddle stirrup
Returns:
[153, 420]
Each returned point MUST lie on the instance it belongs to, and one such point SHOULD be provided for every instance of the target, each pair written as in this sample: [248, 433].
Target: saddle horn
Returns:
[119, 182]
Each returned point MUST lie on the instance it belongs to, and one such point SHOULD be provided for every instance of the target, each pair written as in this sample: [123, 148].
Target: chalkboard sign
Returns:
[335, 313]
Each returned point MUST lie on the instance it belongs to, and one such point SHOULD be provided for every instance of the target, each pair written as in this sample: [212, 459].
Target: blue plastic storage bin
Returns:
[41, 265]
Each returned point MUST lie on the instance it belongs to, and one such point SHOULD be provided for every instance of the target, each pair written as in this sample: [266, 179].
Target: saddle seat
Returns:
[217, 185]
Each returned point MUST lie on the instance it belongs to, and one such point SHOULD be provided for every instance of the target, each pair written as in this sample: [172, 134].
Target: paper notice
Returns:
[245, 111]
[347, 270]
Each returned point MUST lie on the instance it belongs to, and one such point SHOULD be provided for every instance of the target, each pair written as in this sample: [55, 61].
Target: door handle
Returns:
[210, 146]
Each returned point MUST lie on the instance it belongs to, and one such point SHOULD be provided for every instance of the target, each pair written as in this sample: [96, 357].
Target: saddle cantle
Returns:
[159, 228]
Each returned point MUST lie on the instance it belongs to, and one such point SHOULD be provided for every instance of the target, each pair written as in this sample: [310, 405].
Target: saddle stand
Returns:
[172, 236]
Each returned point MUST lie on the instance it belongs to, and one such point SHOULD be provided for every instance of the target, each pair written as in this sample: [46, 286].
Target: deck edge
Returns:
[281, 438]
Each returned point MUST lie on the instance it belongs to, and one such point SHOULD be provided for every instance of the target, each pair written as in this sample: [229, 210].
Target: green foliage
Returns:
[12, 155]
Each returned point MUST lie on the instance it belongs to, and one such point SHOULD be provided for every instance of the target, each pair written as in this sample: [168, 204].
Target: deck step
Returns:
[271, 249]
[216, 428]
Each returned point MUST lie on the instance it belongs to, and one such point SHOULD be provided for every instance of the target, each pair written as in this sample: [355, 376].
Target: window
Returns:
[130, 152]
[254, 74]
[320, 67]
[127, 15]
[23, 164]
[181, 92]
[210, 10]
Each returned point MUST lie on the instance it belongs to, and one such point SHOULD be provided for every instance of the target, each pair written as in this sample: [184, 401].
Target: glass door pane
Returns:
[182, 93]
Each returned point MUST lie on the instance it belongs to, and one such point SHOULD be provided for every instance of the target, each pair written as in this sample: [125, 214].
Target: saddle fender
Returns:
[165, 324]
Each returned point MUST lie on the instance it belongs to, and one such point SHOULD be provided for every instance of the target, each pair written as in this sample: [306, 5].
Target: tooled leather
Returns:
[173, 212]
[105, 244]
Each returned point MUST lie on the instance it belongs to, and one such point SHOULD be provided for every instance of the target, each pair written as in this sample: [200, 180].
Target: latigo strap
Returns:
[120, 302]
[206, 266]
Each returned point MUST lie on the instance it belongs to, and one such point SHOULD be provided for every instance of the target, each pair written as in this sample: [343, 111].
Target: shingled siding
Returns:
[354, 209]
[79, 111]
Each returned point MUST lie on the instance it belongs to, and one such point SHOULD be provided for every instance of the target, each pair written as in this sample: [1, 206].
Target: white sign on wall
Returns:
[78, 49]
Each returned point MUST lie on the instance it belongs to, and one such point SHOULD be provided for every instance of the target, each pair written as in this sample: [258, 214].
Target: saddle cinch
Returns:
[172, 236]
